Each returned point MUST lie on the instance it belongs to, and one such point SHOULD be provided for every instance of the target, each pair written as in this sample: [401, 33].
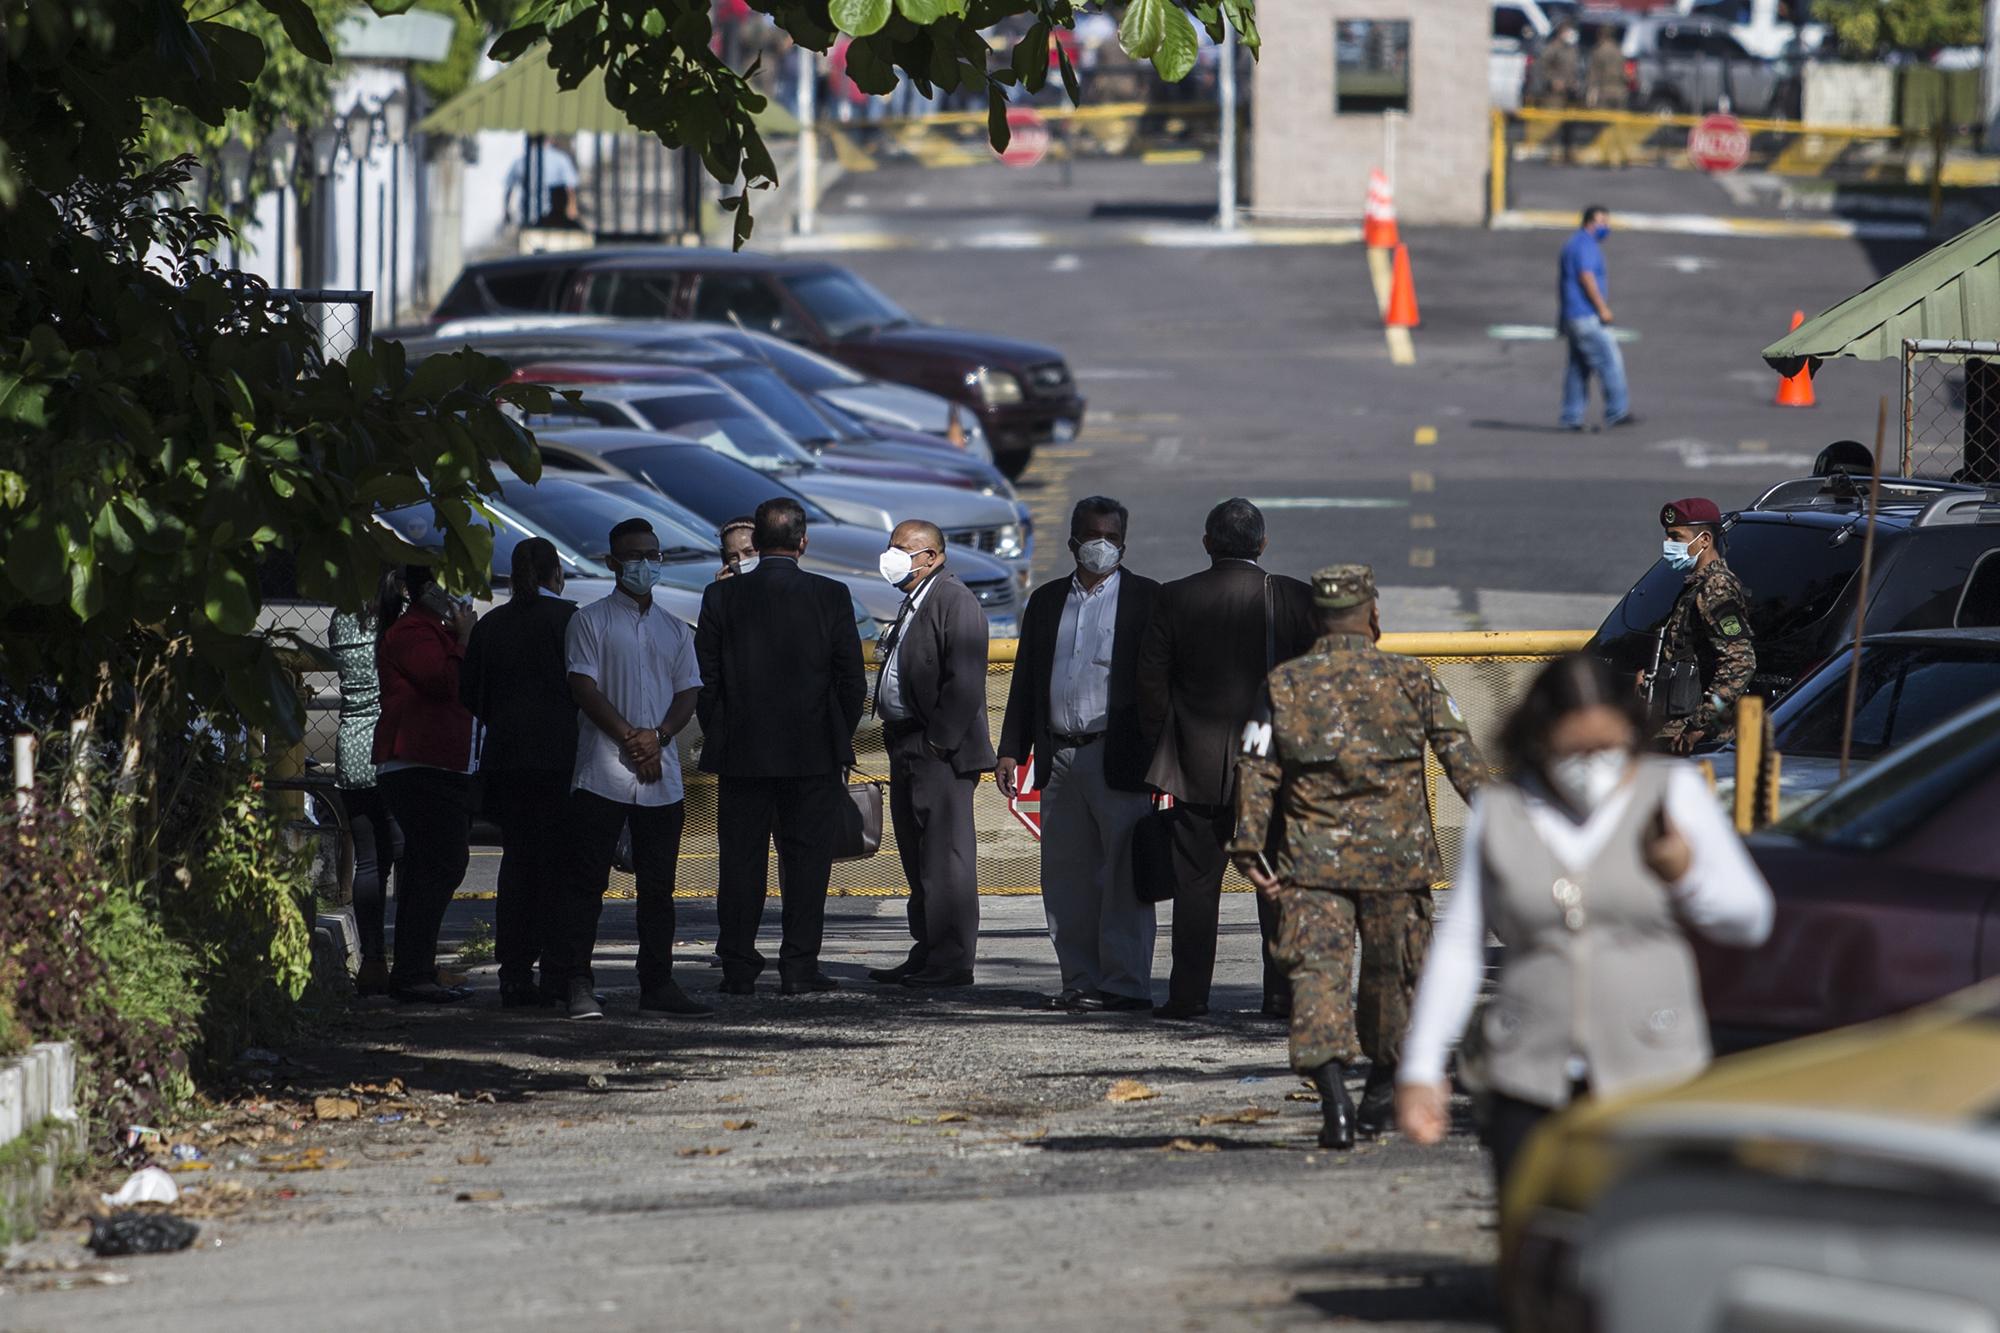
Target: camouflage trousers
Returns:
[1315, 946]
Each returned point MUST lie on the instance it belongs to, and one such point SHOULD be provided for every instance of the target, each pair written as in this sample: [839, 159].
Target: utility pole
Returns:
[1225, 210]
[804, 219]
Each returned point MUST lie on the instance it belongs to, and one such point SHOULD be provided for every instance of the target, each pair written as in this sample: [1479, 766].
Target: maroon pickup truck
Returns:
[1023, 393]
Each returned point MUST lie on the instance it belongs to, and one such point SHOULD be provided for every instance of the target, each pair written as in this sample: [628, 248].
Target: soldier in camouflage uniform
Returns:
[1334, 824]
[1709, 626]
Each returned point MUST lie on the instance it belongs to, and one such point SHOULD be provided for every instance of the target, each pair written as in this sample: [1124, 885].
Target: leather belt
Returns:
[1064, 742]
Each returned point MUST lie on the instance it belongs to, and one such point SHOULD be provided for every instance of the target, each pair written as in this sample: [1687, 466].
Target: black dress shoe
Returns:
[1377, 1112]
[1069, 1000]
[806, 985]
[1277, 1006]
[737, 986]
[671, 999]
[1336, 1112]
[1180, 1009]
[1124, 1004]
[891, 976]
[937, 980]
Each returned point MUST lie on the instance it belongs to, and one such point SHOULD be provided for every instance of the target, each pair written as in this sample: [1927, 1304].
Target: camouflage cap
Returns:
[1338, 587]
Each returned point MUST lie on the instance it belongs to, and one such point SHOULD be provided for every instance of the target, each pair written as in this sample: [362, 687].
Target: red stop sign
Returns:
[1026, 803]
[1028, 137]
[1718, 143]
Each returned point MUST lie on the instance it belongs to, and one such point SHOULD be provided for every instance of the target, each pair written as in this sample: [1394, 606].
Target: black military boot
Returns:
[1377, 1115]
[1336, 1128]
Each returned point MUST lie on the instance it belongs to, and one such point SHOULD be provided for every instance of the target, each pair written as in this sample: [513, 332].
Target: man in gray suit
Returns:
[931, 697]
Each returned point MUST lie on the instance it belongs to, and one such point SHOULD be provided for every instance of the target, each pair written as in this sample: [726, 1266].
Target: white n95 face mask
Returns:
[895, 565]
[1586, 781]
[1098, 556]
[746, 564]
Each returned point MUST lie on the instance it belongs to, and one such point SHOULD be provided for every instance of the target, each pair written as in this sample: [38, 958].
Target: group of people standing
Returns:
[1234, 714]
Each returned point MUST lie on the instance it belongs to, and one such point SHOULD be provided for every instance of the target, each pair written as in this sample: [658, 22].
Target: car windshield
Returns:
[802, 419]
[1888, 801]
[657, 500]
[1793, 573]
[582, 517]
[1904, 689]
[728, 425]
[417, 524]
[805, 370]
[713, 485]
[843, 304]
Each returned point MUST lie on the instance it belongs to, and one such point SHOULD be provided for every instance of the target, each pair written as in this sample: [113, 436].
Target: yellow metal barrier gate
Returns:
[1485, 673]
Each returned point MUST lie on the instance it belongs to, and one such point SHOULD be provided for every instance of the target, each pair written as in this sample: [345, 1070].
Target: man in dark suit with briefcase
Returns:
[1213, 639]
[782, 690]
[1074, 706]
[930, 693]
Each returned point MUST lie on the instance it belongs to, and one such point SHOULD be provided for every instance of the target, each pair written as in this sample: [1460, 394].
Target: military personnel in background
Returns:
[1557, 70]
[1707, 633]
[1604, 86]
[1333, 824]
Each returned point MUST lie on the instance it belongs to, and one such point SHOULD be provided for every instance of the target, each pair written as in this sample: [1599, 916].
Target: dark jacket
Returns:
[1026, 727]
[942, 666]
[782, 684]
[1202, 667]
[422, 720]
[516, 682]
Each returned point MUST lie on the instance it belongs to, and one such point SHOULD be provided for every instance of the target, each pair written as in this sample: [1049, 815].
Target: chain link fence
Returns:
[1951, 410]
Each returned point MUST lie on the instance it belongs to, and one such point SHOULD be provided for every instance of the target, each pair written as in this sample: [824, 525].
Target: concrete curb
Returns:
[39, 1129]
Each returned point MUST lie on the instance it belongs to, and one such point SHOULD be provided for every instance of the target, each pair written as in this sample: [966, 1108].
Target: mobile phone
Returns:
[1265, 866]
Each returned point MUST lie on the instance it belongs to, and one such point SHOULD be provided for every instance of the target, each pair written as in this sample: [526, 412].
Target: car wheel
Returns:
[1012, 465]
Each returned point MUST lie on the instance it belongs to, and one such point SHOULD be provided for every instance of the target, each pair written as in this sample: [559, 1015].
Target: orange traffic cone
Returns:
[1402, 311]
[1378, 215]
[1796, 390]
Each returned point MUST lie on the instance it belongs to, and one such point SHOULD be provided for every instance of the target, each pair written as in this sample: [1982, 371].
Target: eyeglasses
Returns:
[653, 555]
[915, 550]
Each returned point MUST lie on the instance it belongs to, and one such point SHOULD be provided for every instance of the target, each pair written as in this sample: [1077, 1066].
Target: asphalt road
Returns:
[1262, 371]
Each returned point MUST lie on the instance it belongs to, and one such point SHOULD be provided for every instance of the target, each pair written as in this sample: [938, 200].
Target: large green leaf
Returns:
[301, 27]
[929, 11]
[230, 602]
[1143, 28]
[1178, 46]
[858, 18]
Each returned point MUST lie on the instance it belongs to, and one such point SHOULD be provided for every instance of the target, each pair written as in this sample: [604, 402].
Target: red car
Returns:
[1888, 893]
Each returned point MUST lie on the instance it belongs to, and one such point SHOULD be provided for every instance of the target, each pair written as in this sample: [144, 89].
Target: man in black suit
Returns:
[1202, 665]
[515, 680]
[931, 696]
[782, 690]
[1074, 706]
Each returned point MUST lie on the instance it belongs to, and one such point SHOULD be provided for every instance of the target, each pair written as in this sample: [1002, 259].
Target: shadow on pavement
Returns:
[1430, 1289]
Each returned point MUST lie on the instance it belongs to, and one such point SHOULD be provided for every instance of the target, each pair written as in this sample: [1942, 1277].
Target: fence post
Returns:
[1496, 175]
[1749, 759]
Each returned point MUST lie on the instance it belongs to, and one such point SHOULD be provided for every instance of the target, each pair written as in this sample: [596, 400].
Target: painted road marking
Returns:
[1183, 237]
[1425, 435]
[1701, 455]
[1423, 483]
[1062, 453]
[1165, 450]
[1422, 557]
[1701, 224]
[1402, 348]
[1544, 333]
[1065, 264]
[1168, 156]
[1328, 502]
[1423, 522]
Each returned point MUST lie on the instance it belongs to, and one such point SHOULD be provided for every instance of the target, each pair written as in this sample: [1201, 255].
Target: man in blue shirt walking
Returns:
[1585, 319]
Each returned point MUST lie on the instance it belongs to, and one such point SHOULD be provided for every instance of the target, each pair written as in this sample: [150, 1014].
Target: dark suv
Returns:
[1798, 551]
[1023, 392]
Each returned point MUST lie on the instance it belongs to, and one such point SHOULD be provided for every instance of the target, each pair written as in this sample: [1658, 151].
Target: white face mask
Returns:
[746, 564]
[1098, 556]
[895, 565]
[1586, 781]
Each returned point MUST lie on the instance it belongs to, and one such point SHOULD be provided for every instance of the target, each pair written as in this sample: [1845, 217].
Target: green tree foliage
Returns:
[478, 23]
[1868, 28]
[661, 70]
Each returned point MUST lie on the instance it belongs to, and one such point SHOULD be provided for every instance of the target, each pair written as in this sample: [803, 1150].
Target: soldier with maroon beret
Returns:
[1707, 632]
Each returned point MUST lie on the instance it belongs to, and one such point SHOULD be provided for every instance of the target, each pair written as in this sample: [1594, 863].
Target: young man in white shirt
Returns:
[632, 673]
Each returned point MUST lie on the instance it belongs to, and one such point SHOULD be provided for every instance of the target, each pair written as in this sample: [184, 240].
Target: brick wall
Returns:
[1308, 162]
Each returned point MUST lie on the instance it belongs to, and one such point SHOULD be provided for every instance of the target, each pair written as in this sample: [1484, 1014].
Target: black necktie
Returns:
[889, 650]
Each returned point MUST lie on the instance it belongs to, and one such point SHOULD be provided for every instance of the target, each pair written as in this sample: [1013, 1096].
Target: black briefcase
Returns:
[1153, 854]
[860, 835]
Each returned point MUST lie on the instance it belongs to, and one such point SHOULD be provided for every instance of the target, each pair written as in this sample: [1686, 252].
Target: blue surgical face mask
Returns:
[1601, 230]
[637, 577]
[1677, 555]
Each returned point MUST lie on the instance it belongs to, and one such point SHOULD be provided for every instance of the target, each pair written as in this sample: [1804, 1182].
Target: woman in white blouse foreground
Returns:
[1591, 864]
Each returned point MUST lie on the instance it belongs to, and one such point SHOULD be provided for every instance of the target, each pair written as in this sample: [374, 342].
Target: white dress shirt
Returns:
[640, 657]
[1080, 684]
[1722, 897]
[889, 701]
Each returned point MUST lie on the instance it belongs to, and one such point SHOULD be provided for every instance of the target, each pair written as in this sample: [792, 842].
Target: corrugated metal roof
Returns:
[524, 97]
[1950, 292]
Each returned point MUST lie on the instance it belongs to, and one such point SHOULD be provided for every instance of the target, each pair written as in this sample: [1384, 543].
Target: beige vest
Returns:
[1596, 963]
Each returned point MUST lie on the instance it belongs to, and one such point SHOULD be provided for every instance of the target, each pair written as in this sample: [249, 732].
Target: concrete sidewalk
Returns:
[869, 1159]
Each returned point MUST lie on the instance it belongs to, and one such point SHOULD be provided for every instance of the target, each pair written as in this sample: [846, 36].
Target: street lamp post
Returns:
[396, 126]
[360, 141]
[281, 149]
[233, 164]
[325, 145]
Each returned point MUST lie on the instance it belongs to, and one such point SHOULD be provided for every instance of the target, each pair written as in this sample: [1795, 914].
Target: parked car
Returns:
[720, 488]
[1887, 888]
[1692, 66]
[723, 422]
[1023, 392]
[872, 401]
[1764, 28]
[1843, 1182]
[1907, 684]
[1797, 551]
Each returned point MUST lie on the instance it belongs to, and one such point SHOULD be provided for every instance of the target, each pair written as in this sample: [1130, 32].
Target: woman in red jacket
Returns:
[423, 750]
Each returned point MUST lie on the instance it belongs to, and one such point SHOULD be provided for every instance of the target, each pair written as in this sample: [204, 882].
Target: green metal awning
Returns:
[524, 98]
[1951, 292]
